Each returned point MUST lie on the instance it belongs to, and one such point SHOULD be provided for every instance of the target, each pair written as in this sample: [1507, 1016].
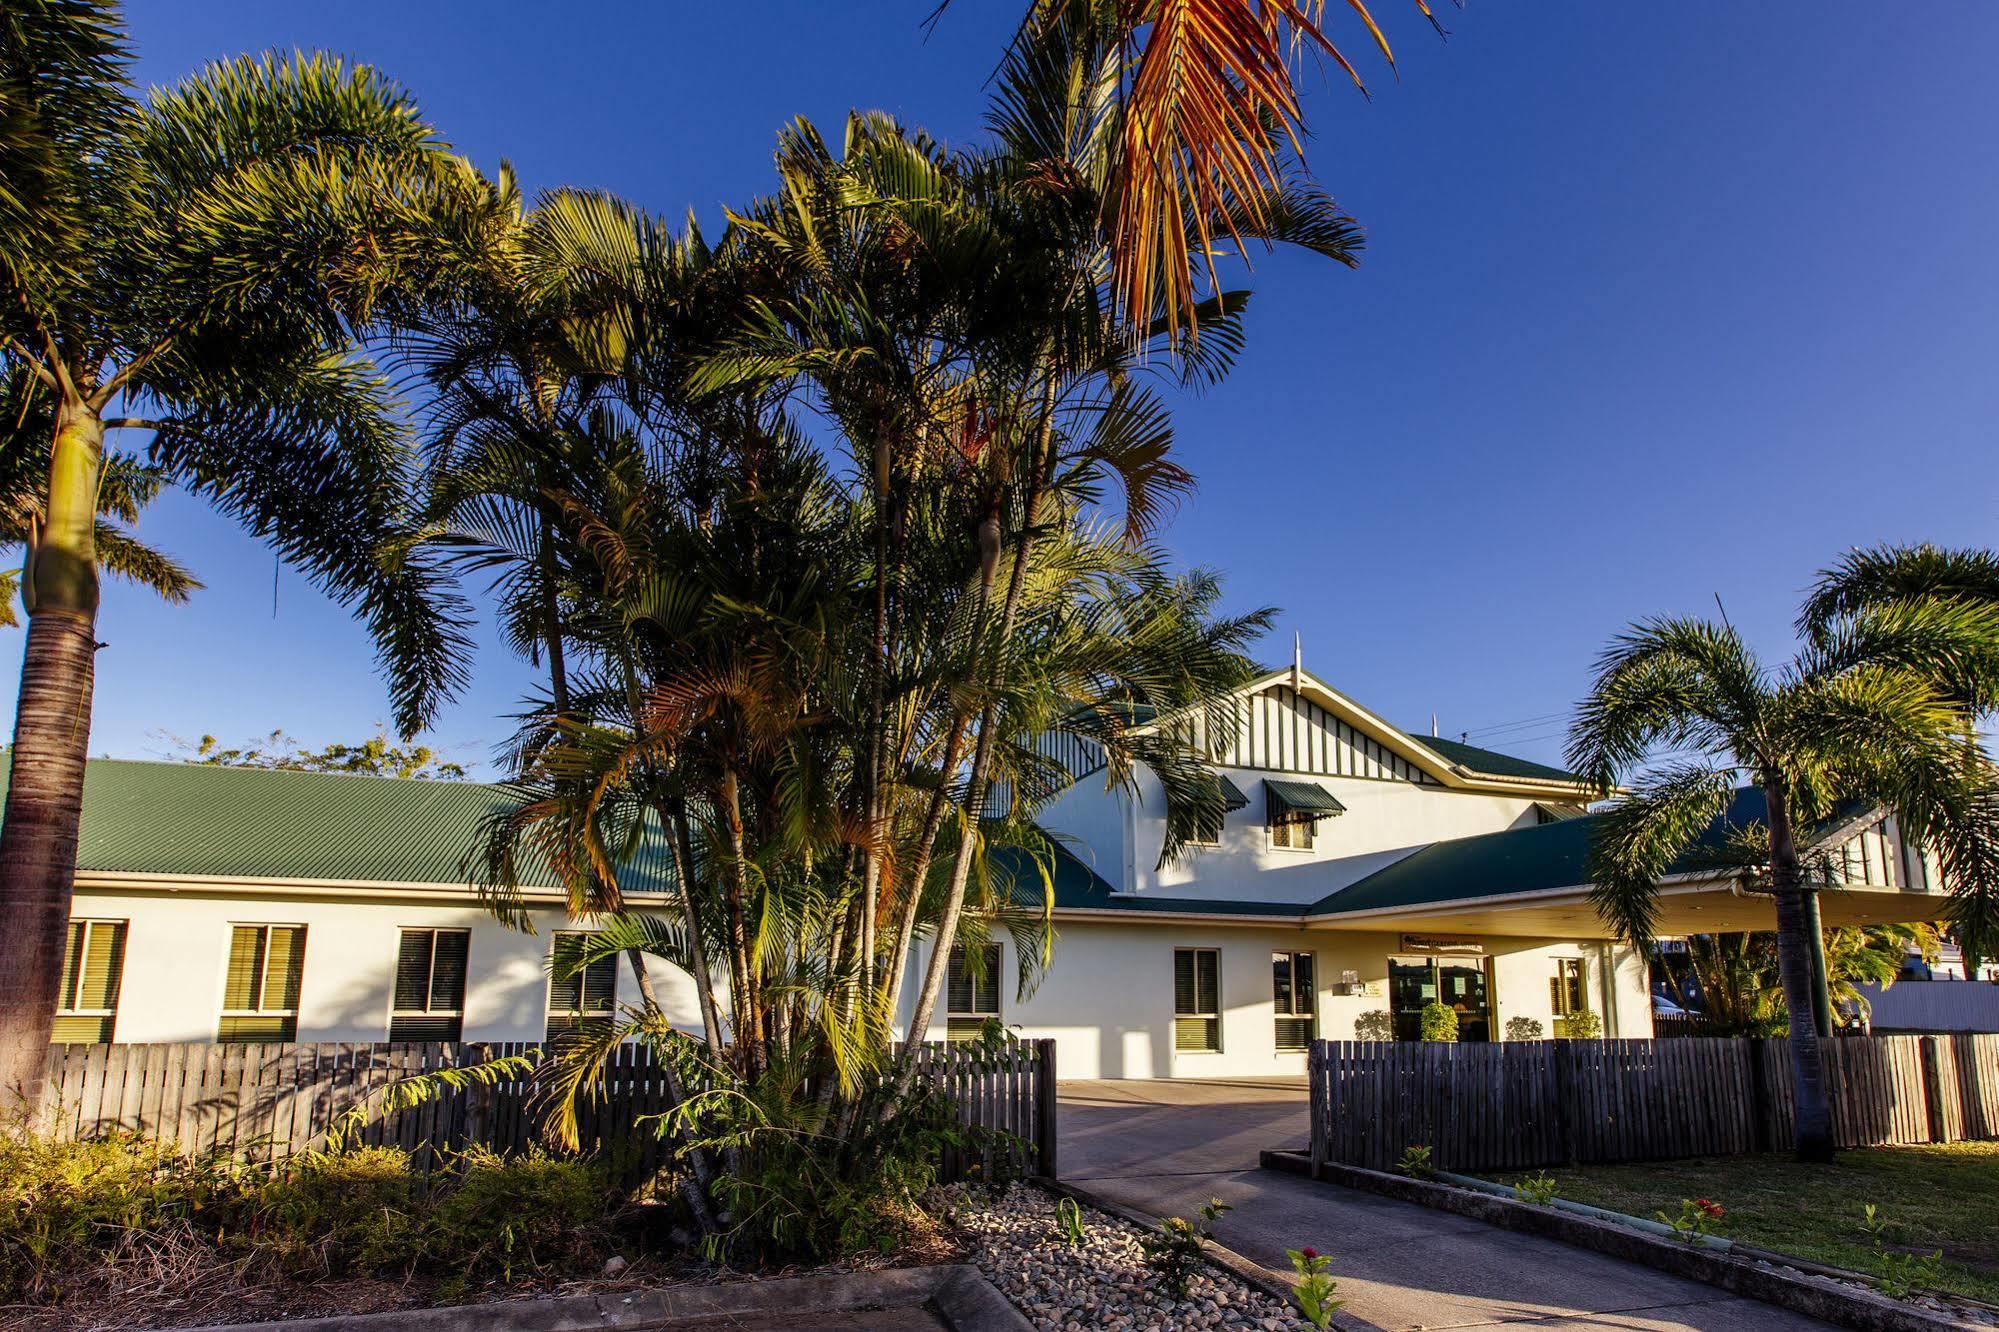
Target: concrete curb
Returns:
[1252, 1274]
[964, 1298]
[1847, 1307]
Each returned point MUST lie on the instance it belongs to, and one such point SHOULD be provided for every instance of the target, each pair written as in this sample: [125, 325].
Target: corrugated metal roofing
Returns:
[202, 821]
[1308, 798]
[1490, 762]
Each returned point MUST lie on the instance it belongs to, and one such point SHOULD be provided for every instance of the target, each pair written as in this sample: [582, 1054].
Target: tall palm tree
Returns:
[1864, 714]
[199, 265]
[1908, 576]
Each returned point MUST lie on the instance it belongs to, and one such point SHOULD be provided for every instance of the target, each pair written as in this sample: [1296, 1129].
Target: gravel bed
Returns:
[1102, 1282]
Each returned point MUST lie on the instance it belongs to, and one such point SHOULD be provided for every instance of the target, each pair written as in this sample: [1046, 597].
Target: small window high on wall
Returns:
[260, 993]
[430, 986]
[1197, 1011]
[92, 966]
[972, 993]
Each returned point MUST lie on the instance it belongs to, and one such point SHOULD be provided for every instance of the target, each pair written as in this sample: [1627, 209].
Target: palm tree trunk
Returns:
[51, 740]
[919, 870]
[1815, 952]
[975, 791]
[1813, 1112]
[694, 1187]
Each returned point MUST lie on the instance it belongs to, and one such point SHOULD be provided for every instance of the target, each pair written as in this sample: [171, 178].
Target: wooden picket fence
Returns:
[264, 1103]
[1522, 1104]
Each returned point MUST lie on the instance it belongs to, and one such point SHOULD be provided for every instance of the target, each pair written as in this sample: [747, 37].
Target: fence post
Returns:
[1565, 1099]
[1934, 1103]
[1315, 1071]
[1044, 1104]
[1760, 1108]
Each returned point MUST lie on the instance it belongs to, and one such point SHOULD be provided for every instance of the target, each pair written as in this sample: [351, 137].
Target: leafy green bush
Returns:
[1523, 1029]
[504, 1214]
[329, 1213]
[1537, 1189]
[1174, 1250]
[61, 1203]
[1440, 1023]
[1416, 1163]
[1583, 1025]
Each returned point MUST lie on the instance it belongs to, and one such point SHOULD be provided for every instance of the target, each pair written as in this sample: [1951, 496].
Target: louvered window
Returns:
[1294, 992]
[430, 986]
[972, 993]
[1197, 985]
[92, 966]
[579, 996]
[1565, 993]
[260, 994]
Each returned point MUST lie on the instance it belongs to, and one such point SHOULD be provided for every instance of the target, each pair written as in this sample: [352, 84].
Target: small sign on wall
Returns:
[1441, 943]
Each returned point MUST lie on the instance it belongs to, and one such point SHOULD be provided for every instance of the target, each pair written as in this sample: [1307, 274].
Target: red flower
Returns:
[1309, 1253]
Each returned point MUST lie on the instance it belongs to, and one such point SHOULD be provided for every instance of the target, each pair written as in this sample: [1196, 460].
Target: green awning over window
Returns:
[1300, 800]
[1232, 797]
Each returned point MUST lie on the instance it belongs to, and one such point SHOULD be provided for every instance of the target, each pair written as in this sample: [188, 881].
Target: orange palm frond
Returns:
[1211, 107]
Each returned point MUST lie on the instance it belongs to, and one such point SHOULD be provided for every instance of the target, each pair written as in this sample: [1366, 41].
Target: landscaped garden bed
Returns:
[1102, 1279]
[1928, 1200]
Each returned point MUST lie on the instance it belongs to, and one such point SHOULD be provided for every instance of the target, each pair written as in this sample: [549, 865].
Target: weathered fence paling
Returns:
[1525, 1104]
[263, 1103]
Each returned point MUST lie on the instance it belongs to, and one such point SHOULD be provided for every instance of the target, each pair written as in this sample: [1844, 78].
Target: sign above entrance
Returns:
[1441, 943]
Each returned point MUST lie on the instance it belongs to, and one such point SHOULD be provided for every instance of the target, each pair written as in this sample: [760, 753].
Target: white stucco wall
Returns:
[177, 949]
[1107, 1001]
[1385, 820]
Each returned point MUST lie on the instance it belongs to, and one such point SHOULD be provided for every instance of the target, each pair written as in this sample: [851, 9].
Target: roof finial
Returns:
[1297, 661]
[1433, 726]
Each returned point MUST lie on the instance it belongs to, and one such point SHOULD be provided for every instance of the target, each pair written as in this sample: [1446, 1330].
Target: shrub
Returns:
[1314, 1289]
[1376, 1026]
[1899, 1272]
[1440, 1023]
[1537, 1189]
[1698, 1216]
[62, 1203]
[1523, 1029]
[1416, 1163]
[505, 1214]
[1583, 1025]
[1174, 1250]
[329, 1213]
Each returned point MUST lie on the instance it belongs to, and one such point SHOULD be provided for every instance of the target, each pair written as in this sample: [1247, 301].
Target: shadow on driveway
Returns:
[1166, 1146]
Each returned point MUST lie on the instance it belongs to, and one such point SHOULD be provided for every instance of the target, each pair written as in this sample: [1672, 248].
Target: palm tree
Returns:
[199, 265]
[1909, 576]
[1863, 714]
[128, 484]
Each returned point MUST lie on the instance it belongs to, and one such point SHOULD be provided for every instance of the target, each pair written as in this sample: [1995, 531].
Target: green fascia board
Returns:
[200, 821]
[1488, 762]
[1307, 798]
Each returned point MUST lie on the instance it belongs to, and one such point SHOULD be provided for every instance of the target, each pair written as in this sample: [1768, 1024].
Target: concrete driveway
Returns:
[1165, 1146]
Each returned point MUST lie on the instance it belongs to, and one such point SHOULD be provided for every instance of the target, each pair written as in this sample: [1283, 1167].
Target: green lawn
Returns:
[1938, 1197]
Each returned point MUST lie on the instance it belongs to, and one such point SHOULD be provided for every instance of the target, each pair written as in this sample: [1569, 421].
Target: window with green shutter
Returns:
[260, 992]
[1294, 991]
[430, 986]
[1197, 986]
[92, 966]
[578, 996]
[971, 993]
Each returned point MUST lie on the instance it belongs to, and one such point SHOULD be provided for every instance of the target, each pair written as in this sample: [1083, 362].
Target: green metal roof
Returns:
[1490, 763]
[1307, 798]
[1232, 797]
[202, 821]
[1525, 860]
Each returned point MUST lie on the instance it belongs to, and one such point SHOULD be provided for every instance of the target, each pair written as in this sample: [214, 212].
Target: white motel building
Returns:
[1360, 873]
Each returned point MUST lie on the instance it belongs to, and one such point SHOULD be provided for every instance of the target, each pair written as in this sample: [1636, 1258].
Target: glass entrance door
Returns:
[1460, 984]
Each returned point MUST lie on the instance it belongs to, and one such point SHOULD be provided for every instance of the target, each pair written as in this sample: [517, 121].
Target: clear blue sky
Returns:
[1659, 302]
